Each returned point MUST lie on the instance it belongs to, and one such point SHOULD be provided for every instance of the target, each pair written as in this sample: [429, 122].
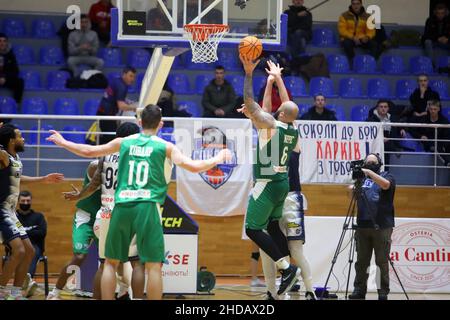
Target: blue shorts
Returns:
[8, 228]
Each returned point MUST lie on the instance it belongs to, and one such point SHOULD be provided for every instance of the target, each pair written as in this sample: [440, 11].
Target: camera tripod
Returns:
[349, 224]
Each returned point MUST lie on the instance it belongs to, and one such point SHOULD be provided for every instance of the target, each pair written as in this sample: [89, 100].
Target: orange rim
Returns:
[201, 32]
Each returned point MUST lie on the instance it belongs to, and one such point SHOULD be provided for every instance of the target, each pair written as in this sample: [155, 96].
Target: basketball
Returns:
[250, 47]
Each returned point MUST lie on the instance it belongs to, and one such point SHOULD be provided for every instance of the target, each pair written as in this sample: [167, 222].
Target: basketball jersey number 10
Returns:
[138, 175]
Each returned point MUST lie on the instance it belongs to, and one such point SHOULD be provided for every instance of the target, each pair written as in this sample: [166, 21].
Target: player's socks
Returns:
[270, 274]
[296, 249]
[282, 264]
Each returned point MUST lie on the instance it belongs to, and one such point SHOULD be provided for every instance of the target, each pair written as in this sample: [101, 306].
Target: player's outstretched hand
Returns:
[56, 137]
[72, 195]
[249, 65]
[274, 69]
[54, 178]
[243, 109]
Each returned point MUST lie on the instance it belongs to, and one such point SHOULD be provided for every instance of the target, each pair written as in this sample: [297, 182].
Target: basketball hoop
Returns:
[204, 39]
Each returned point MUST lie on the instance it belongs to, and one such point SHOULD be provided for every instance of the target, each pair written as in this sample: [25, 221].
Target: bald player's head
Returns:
[287, 112]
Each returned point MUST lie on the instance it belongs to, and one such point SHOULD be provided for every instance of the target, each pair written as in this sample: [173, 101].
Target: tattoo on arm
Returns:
[260, 119]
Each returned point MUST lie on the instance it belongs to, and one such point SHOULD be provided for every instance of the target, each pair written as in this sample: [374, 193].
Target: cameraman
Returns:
[375, 224]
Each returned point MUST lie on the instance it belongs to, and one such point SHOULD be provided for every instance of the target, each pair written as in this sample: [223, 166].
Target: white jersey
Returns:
[14, 176]
[109, 179]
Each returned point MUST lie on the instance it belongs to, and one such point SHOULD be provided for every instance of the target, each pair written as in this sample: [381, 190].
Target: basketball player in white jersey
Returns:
[12, 142]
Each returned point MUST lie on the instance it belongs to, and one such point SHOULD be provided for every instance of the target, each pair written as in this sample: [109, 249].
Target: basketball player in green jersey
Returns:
[145, 166]
[82, 233]
[276, 140]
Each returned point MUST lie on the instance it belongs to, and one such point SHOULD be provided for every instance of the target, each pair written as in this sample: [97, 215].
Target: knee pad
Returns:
[255, 255]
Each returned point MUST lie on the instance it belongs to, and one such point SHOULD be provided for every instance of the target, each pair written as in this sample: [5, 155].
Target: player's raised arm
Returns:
[196, 166]
[275, 71]
[85, 150]
[261, 119]
[267, 99]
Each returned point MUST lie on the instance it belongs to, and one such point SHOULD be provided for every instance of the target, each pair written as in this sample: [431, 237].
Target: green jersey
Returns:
[272, 153]
[144, 171]
[92, 203]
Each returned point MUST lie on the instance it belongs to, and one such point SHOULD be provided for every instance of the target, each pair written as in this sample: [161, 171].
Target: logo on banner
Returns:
[213, 140]
[421, 253]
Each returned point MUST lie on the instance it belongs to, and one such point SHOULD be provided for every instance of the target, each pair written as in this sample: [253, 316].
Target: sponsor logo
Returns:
[176, 259]
[171, 222]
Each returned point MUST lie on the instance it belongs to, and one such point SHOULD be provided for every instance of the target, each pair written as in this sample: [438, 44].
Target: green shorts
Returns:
[82, 231]
[142, 219]
[266, 203]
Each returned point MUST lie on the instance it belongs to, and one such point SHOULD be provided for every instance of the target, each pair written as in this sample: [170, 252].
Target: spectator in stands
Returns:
[427, 135]
[83, 47]
[382, 114]
[299, 27]
[36, 227]
[168, 105]
[318, 110]
[219, 97]
[437, 30]
[353, 31]
[100, 16]
[420, 97]
[9, 70]
[114, 101]
[157, 19]
[276, 100]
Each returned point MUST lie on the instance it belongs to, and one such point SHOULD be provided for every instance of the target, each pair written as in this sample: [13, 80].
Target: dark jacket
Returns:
[295, 22]
[419, 104]
[215, 97]
[443, 134]
[8, 67]
[36, 226]
[435, 29]
[326, 115]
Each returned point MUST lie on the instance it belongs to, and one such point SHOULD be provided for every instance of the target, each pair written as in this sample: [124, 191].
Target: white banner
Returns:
[223, 190]
[420, 252]
[329, 147]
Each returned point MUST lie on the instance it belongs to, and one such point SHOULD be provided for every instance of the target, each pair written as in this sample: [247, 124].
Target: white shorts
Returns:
[292, 222]
[101, 227]
[13, 215]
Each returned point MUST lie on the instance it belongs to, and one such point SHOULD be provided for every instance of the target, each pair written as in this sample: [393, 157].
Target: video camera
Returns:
[241, 3]
[356, 167]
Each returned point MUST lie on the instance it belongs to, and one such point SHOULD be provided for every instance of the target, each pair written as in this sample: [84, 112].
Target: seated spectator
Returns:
[36, 227]
[157, 19]
[168, 105]
[83, 47]
[299, 27]
[382, 114]
[9, 69]
[318, 111]
[100, 16]
[437, 30]
[420, 97]
[353, 31]
[114, 100]
[219, 97]
[276, 100]
[427, 135]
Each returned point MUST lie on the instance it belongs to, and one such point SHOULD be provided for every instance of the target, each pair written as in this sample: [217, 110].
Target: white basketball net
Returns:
[204, 40]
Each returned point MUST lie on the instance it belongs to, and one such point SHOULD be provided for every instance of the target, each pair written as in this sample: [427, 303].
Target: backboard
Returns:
[159, 23]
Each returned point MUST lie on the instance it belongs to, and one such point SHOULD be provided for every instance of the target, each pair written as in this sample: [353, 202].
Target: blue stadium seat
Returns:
[364, 64]
[32, 80]
[351, 88]
[166, 133]
[196, 66]
[421, 64]
[201, 81]
[112, 57]
[378, 89]
[338, 63]
[339, 111]
[43, 29]
[90, 107]
[228, 59]
[323, 38]
[138, 58]
[44, 134]
[66, 107]
[34, 106]
[78, 135]
[237, 81]
[444, 61]
[258, 83]
[14, 27]
[56, 80]
[446, 112]
[441, 87]
[404, 88]
[296, 86]
[191, 107]
[179, 83]
[8, 105]
[52, 56]
[321, 85]
[360, 113]
[392, 65]
[302, 109]
[24, 54]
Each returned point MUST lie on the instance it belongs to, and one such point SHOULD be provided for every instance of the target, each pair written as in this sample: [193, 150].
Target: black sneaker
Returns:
[269, 296]
[288, 278]
[357, 295]
[310, 295]
[295, 288]
[382, 296]
[126, 296]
